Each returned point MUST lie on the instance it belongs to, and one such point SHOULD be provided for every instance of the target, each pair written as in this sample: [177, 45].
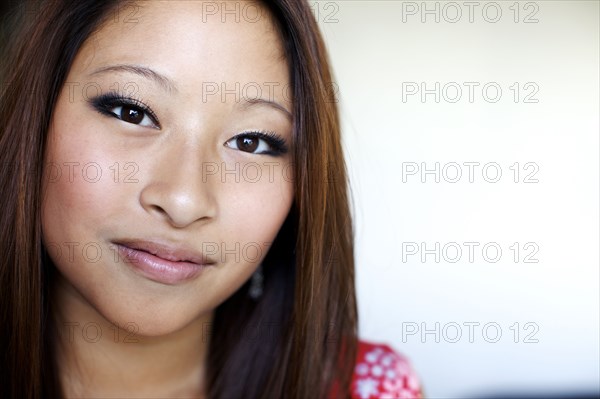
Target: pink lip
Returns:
[162, 264]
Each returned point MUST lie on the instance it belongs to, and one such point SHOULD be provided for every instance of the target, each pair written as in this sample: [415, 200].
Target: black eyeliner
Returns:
[273, 139]
[105, 102]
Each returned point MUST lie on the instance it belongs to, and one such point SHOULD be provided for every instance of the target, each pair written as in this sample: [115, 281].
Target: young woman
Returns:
[175, 218]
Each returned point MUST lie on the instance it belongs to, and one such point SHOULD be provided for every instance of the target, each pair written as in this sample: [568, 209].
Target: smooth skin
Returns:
[122, 334]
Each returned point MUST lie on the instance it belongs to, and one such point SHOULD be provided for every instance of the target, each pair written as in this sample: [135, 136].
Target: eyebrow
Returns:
[261, 101]
[144, 72]
[169, 85]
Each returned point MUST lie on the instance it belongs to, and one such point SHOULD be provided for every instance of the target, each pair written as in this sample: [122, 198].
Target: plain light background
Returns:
[379, 50]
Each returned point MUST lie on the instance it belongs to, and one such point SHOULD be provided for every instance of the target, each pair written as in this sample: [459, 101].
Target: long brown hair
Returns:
[304, 327]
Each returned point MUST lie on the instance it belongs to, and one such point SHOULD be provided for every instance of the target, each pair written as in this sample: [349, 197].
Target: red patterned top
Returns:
[382, 373]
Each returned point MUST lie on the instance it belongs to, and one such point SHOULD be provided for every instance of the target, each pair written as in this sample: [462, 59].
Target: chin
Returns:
[140, 320]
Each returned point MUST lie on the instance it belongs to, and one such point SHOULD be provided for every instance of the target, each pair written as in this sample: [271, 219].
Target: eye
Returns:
[128, 110]
[132, 114]
[261, 143]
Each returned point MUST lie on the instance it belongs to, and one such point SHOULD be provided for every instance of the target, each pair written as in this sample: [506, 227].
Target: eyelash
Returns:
[276, 142]
[104, 103]
[108, 101]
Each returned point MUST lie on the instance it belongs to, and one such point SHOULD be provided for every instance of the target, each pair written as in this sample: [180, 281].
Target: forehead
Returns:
[190, 42]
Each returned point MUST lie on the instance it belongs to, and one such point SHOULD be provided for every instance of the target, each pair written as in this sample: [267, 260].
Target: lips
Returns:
[167, 252]
[163, 263]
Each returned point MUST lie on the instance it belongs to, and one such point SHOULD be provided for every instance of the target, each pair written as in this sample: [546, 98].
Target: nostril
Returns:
[158, 209]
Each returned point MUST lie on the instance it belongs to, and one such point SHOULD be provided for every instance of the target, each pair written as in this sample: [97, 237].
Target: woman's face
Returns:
[136, 199]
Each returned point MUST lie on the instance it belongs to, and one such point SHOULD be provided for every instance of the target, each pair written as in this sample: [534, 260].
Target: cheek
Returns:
[72, 206]
[255, 211]
[79, 192]
[250, 219]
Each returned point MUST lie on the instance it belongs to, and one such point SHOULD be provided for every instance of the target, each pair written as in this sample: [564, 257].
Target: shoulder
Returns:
[381, 372]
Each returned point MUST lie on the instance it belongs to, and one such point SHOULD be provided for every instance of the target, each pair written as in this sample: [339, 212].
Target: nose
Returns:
[176, 191]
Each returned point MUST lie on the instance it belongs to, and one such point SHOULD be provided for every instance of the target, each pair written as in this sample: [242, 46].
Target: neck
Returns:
[97, 358]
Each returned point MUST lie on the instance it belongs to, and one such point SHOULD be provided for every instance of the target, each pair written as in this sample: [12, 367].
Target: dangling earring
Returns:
[256, 284]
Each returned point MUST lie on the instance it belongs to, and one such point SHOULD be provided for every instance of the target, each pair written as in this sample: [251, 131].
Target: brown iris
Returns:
[131, 114]
[249, 144]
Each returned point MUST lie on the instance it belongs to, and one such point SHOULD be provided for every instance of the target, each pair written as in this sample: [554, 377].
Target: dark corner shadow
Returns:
[529, 395]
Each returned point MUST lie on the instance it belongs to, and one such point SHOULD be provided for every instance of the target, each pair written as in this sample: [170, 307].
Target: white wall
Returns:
[373, 53]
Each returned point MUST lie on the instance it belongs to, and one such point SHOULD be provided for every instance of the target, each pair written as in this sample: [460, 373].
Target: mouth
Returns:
[162, 263]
